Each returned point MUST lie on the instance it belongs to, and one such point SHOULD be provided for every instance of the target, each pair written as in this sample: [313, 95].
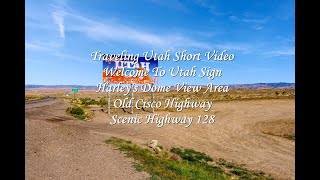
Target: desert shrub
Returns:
[88, 101]
[75, 110]
[34, 98]
[103, 101]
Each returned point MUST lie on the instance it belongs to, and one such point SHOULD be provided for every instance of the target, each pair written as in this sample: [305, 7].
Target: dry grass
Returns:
[239, 95]
[282, 128]
[34, 97]
[214, 96]
[188, 164]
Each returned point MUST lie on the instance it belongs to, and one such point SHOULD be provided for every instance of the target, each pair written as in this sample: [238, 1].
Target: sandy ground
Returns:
[56, 148]
[60, 147]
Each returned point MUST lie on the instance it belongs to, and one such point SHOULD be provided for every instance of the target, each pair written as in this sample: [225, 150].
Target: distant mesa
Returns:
[280, 85]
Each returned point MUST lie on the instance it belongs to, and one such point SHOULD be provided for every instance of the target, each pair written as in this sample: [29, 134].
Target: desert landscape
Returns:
[160, 90]
[254, 127]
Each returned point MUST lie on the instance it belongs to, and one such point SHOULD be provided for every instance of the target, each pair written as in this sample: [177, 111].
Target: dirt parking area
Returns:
[58, 145]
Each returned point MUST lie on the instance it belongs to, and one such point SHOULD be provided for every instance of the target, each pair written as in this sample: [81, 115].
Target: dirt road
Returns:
[59, 146]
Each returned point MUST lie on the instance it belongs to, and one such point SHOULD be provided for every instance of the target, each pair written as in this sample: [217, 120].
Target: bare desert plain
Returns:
[252, 127]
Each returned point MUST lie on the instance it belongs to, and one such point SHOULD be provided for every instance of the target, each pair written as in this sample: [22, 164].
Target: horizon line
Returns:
[160, 85]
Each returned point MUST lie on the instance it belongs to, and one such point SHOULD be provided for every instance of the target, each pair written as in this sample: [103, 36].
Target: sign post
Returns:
[108, 102]
[74, 90]
[152, 98]
[131, 98]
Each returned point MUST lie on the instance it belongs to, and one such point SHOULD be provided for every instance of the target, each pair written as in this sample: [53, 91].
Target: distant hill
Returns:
[30, 86]
[280, 85]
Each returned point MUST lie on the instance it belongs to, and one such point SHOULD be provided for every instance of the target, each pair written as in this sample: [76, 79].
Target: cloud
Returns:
[113, 31]
[210, 7]
[282, 52]
[171, 4]
[234, 46]
[52, 49]
[71, 57]
[43, 46]
[257, 27]
[34, 46]
[286, 40]
[33, 61]
[59, 20]
[58, 16]
[255, 23]
[110, 31]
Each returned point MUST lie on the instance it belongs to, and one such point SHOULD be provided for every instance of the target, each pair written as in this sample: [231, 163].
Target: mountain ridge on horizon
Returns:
[278, 85]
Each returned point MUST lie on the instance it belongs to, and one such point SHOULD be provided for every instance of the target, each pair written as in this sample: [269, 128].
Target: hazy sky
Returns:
[61, 35]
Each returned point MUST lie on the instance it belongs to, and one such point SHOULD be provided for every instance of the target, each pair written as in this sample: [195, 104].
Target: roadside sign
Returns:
[75, 90]
[129, 72]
